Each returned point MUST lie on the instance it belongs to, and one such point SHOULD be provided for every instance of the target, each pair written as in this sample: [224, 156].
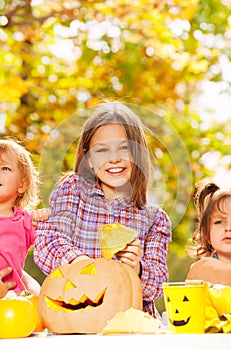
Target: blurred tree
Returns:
[60, 58]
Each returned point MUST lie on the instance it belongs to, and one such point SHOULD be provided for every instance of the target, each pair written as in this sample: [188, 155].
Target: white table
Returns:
[119, 342]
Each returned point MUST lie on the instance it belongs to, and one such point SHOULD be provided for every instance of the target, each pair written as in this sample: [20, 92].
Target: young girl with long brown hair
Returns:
[109, 184]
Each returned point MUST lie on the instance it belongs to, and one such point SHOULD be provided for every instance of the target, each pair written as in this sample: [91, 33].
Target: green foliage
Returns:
[60, 58]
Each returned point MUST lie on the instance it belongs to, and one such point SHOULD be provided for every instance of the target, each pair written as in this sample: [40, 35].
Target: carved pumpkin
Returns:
[82, 297]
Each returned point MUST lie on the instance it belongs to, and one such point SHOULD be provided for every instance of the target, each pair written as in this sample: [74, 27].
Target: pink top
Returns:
[16, 237]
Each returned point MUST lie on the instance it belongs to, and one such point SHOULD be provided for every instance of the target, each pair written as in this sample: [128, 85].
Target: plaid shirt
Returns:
[78, 210]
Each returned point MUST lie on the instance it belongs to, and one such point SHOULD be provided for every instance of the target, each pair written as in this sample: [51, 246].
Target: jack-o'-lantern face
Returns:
[185, 306]
[81, 297]
[84, 301]
[181, 311]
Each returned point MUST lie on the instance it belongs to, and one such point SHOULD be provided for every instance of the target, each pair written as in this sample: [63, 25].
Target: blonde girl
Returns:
[18, 191]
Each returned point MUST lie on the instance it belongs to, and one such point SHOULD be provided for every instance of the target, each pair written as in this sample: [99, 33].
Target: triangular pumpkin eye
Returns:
[185, 298]
[168, 299]
[88, 270]
[56, 274]
[69, 285]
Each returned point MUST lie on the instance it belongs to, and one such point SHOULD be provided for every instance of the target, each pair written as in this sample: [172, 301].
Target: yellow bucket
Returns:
[185, 305]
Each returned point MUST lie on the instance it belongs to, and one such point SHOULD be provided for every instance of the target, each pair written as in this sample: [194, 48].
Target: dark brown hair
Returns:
[109, 113]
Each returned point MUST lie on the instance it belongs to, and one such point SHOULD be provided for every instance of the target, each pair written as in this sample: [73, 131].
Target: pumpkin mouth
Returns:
[180, 322]
[75, 305]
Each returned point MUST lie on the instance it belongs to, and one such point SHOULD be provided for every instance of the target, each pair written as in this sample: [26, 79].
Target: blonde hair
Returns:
[11, 147]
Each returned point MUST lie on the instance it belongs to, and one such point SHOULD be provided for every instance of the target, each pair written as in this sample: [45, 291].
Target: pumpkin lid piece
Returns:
[115, 237]
[132, 321]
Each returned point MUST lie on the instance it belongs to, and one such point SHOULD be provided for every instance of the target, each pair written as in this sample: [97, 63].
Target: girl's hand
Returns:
[80, 258]
[40, 215]
[5, 286]
[131, 255]
[31, 284]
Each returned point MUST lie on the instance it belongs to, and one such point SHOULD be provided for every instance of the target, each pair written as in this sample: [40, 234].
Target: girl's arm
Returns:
[153, 262]
[55, 238]
[150, 264]
[211, 270]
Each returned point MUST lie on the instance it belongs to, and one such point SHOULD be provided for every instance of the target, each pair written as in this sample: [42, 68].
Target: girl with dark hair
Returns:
[108, 185]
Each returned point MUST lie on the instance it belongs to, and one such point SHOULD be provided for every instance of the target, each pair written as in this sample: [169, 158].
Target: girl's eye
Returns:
[101, 150]
[218, 222]
[5, 168]
[124, 147]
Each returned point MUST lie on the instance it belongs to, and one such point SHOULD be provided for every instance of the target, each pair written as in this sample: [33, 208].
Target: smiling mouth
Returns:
[180, 322]
[115, 170]
[75, 305]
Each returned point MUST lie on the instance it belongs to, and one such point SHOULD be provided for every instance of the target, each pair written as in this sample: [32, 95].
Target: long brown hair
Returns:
[15, 150]
[208, 198]
[109, 113]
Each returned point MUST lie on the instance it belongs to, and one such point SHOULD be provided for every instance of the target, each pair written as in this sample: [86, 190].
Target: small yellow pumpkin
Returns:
[39, 325]
[17, 317]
